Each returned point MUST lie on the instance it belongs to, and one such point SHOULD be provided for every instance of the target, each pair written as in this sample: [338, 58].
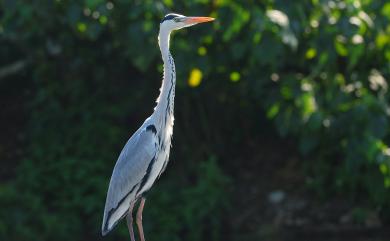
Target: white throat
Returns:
[163, 42]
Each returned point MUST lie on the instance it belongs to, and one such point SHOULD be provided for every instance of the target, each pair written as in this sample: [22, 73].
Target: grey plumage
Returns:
[123, 187]
[146, 153]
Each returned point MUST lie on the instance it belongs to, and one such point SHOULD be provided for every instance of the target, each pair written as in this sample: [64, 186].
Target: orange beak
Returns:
[193, 20]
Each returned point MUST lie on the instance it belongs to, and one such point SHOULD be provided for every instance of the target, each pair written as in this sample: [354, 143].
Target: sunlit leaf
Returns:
[382, 40]
[168, 3]
[386, 10]
[340, 48]
[309, 104]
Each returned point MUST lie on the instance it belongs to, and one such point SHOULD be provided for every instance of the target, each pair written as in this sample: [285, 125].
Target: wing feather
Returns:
[127, 175]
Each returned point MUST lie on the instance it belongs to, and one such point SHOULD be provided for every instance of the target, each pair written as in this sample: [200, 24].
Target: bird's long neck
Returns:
[165, 101]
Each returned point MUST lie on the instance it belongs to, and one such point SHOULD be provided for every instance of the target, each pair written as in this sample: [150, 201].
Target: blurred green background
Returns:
[282, 118]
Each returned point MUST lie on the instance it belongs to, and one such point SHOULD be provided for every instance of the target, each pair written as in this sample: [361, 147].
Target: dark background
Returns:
[281, 130]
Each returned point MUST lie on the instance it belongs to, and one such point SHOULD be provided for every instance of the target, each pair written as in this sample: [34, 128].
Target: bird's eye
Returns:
[176, 20]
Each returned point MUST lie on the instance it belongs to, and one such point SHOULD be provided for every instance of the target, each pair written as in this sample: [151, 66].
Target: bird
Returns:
[146, 154]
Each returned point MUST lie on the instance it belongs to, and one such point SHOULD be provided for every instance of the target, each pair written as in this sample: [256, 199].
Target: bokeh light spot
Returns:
[81, 27]
[202, 51]
[275, 77]
[311, 53]
[195, 77]
[96, 15]
[103, 20]
[109, 5]
[235, 76]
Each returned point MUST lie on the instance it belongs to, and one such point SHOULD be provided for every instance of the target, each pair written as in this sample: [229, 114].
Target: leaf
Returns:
[386, 10]
[340, 48]
[273, 111]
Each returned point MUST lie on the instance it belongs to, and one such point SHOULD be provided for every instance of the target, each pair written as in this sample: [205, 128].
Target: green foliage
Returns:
[318, 69]
[184, 206]
[336, 99]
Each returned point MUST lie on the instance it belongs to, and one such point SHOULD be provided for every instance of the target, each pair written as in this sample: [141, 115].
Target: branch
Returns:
[13, 68]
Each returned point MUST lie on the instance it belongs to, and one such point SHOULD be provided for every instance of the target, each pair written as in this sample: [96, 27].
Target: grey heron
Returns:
[146, 153]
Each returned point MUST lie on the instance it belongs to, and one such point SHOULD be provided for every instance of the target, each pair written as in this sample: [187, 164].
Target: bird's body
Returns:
[146, 154]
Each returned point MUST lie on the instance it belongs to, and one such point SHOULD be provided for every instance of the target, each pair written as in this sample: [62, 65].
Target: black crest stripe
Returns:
[169, 17]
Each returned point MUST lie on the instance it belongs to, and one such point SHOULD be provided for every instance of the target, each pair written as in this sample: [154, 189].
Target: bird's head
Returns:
[175, 21]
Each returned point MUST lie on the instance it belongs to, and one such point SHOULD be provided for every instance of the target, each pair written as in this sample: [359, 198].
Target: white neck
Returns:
[163, 42]
[165, 101]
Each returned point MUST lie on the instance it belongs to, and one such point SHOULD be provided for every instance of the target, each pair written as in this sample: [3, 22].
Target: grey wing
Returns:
[129, 170]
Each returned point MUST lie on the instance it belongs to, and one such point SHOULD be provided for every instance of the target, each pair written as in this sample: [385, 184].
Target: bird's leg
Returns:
[139, 219]
[129, 219]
